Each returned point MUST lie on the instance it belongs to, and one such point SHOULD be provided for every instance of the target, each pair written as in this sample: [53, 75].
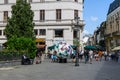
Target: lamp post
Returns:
[77, 48]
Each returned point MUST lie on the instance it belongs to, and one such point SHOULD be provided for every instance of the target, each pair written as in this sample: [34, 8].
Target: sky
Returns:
[94, 13]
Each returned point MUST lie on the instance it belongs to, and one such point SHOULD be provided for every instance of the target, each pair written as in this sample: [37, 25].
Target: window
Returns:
[5, 15]
[76, 0]
[0, 32]
[42, 0]
[59, 33]
[3, 32]
[75, 34]
[75, 13]
[58, 14]
[30, 0]
[36, 31]
[5, 1]
[42, 15]
[42, 32]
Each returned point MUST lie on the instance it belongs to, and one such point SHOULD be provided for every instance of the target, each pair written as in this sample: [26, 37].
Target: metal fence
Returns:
[7, 56]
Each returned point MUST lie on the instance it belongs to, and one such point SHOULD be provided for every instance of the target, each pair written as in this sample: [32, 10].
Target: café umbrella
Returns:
[90, 47]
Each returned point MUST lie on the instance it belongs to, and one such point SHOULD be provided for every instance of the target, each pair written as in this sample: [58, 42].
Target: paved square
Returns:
[104, 70]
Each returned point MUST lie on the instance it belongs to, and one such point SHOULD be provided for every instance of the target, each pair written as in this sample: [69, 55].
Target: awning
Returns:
[116, 48]
[40, 40]
[90, 47]
[100, 48]
[51, 47]
[41, 46]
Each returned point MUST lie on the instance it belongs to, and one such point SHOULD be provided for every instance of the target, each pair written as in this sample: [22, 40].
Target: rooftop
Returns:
[114, 5]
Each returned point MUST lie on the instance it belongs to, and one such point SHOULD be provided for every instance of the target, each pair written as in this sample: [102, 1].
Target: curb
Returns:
[10, 63]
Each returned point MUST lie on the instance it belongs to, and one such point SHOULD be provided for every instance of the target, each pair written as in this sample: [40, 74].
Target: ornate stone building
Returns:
[112, 33]
[54, 20]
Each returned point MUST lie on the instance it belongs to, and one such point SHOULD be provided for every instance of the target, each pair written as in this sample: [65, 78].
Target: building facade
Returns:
[112, 33]
[99, 36]
[54, 20]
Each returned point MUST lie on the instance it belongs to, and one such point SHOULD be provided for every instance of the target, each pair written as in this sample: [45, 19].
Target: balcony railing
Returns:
[62, 22]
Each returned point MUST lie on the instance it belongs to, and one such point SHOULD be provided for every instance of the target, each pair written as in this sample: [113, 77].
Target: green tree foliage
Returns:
[20, 28]
[22, 45]
[76, 42]
[21, 21]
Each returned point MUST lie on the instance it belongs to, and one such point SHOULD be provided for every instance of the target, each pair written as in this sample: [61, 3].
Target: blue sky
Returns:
[95, 12]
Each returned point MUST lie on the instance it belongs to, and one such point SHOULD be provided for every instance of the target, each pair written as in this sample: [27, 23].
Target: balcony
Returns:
[65, 22]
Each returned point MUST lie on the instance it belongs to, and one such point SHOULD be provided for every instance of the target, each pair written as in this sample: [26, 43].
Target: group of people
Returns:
[89, 55]
[86, 54]
[114, 55]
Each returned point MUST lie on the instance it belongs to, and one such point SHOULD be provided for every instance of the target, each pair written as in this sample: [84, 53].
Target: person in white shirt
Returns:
[90, 56]
[81, 55]
[105, 55]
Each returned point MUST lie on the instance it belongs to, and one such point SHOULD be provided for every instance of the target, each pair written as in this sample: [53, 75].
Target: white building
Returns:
[54, 20]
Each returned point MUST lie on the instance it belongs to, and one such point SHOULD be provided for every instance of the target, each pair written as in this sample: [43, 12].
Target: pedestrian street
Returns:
[47, 70]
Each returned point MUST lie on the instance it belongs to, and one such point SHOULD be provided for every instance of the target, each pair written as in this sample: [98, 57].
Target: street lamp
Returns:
[77, 48]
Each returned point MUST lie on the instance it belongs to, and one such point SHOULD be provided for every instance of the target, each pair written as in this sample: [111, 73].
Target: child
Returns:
[54, 56]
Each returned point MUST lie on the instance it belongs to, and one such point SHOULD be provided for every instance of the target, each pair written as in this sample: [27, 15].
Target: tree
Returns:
[76, 42]
[20, 28]
[21, 22]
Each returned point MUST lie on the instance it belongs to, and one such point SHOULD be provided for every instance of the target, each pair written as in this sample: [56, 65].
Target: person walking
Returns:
[105, 55]
[81, 55]
[38, 58]
[91, 56]
[100, 53]
[73, 55]
[86, 56]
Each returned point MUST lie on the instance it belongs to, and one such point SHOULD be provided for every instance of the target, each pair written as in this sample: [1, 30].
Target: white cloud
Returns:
[85, 32]
[85, 39]
[93, 18]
